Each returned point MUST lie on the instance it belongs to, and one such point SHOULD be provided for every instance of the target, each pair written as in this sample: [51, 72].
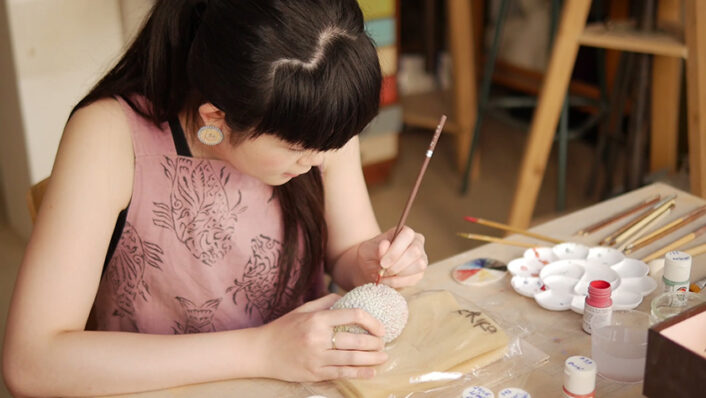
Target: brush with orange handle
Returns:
[504, 227]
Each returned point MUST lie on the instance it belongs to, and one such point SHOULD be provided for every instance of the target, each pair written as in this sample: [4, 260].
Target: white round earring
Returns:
[210, 135]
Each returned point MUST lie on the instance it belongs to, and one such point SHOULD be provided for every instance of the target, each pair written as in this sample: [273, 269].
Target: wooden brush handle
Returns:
[616, 217]
[493, 239]
[676, 244]
[666, 230]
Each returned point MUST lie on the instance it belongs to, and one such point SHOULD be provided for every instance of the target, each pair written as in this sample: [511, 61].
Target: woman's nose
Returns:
[312, 158]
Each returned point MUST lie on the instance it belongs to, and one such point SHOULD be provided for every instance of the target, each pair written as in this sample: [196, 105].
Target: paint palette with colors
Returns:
[558, 277]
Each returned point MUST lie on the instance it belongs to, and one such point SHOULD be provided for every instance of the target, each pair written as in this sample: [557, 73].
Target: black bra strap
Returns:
[182, 148]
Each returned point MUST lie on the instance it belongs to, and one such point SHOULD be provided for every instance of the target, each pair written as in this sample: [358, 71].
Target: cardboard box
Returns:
[676, 356]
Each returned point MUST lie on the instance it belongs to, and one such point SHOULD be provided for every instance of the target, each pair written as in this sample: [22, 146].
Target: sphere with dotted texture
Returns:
[382, 302]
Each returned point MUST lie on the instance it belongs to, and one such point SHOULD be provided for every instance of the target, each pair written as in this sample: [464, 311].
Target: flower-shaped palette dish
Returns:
[558, 277]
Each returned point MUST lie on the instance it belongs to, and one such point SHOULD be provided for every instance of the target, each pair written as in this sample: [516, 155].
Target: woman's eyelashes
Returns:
[297, 149]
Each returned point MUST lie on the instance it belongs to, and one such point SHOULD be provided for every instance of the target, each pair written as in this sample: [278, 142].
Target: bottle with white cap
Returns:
[477, 392]
[579, 377]
[677, 270]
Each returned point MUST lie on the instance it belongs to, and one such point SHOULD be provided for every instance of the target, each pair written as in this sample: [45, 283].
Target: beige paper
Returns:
[439, 337]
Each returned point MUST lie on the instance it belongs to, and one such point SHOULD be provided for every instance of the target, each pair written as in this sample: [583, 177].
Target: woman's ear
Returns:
[211, 115]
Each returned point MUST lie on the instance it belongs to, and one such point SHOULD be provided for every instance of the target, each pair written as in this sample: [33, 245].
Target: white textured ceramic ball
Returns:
[382, 302]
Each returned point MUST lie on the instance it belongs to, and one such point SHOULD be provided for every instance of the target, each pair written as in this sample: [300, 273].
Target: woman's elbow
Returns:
[18, 376]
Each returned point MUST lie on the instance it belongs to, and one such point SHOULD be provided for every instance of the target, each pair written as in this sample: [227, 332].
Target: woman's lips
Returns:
[292, 175]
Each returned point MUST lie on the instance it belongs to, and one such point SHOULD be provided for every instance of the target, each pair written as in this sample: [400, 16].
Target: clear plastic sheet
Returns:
[448, 345]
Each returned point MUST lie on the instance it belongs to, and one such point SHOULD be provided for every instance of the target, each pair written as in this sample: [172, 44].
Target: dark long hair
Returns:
[303, 70]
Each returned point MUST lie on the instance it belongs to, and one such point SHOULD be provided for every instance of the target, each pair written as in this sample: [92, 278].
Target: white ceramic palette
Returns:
[558, 277]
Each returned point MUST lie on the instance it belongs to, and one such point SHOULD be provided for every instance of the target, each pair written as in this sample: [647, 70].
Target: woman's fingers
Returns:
[347, 372]
[354, 358]
[412, 260]
[357, 342]
[383, 247]
[397, 247]
[397, 282]
[410, 264]
[358, 317]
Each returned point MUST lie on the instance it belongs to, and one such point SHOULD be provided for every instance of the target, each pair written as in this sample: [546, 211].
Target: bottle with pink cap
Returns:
[599, 306]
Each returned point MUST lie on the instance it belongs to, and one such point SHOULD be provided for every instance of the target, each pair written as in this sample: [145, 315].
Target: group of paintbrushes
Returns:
[630, 237]
[634, 235]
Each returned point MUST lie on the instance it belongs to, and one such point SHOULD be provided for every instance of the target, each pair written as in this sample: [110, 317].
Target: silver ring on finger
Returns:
[333, 340]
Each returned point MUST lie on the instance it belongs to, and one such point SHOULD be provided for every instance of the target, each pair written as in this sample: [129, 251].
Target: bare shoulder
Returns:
[96, 144]
[103, 119]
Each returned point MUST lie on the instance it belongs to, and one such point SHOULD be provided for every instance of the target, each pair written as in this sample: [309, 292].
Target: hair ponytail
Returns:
[302, 205]
[154, 66]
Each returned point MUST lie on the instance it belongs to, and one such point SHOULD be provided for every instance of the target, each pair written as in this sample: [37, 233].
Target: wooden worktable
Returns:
[557, 334]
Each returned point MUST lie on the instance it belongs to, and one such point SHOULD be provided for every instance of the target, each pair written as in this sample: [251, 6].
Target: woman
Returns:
[203, 185]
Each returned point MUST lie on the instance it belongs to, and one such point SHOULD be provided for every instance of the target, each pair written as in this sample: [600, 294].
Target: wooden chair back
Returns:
[35, 195]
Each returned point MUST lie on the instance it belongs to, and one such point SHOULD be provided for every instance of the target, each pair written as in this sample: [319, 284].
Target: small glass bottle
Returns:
[599, 307]
[579, 377]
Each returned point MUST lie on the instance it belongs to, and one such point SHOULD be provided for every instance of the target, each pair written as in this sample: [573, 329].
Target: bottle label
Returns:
[678, 300]
[594, 318]
[671, 286]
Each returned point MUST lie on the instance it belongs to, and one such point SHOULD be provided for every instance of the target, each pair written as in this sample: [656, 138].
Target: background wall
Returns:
[51, 53]
[132, 13]
[14, 166]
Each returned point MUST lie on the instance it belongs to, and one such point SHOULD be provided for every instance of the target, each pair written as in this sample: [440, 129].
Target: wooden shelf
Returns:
[623, 36]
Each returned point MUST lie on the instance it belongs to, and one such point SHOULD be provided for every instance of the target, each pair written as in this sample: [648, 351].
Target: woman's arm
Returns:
[46, 350]
[48, 353]
[349, 215]
[357, 249]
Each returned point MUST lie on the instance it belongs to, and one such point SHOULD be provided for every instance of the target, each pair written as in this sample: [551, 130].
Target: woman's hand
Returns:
[404, 260]
[299, 346]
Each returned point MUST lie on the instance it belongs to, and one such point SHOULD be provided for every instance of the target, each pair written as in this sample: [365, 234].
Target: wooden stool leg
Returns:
[544, 122]
[664, 137]
[461, 43]
[695, 34]
[666, 89]
[486, 81]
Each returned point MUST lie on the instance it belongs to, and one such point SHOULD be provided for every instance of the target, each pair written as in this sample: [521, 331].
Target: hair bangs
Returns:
[323, 102]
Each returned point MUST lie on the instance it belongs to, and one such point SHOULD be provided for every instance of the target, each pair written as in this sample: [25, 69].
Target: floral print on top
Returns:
[200, 245]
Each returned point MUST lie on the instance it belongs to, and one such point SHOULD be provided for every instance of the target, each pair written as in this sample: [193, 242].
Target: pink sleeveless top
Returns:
[199, 248]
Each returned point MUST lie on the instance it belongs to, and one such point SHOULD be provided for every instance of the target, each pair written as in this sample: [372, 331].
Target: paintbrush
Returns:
[675, 244]
[619, 216]
[666, 230]
[696, 250]
[511, 229]
[628, 228]
[493, 239]
[642, 223]
[413, 194]
[646, 228]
